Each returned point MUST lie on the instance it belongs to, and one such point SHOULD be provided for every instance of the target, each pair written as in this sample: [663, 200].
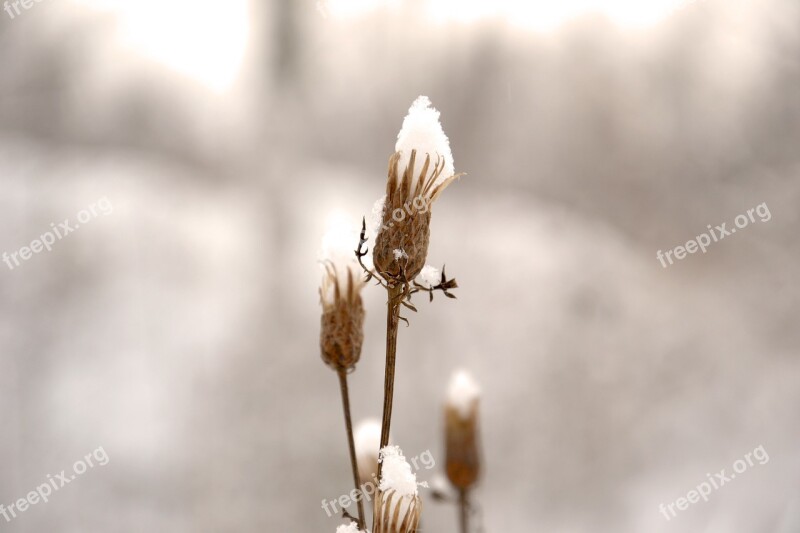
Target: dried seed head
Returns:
[462, 457]
[396, 514]
[342, 331]
[401, 246]
[420, 169]
[397, 505]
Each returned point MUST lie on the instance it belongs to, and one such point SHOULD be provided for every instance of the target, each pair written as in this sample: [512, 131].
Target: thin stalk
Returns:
[392, 325]
[463, 504]
[348, 422]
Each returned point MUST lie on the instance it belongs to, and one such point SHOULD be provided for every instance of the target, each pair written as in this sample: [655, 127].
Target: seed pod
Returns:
[401, 245]
[462, 456]
[342, 323]
[397, 506]
[396, 514]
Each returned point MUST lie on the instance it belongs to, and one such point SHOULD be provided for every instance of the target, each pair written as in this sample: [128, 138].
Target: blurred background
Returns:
[180, 331]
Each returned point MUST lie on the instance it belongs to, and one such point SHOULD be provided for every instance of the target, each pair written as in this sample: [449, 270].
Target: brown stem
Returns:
[392, 324]
[362, 524]
[463, 504]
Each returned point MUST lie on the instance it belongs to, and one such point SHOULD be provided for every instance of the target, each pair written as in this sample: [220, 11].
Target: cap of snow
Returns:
[396, 472]
[398, 253]
[429, 276]
[423, 132]
[338, 243]
[352, 527]
[462, 393]
[340, 238]
[375, 219]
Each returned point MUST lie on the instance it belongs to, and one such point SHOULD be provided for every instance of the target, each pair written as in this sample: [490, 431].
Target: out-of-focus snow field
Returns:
[180, 332]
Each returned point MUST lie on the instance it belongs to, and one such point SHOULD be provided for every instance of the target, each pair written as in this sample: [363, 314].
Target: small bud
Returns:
[342, 323]
[462, 457]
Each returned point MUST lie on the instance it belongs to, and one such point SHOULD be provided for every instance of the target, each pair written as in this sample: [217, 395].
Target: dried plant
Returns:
[396, 514]
[341, 338]
[401, 244]
[397, 506]
[461, 440]
[419, 171]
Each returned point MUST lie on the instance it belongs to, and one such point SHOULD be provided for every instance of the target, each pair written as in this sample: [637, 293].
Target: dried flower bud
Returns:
[342, 331]
[462, 457]
[396, 514]
[420, 169]
[397, 506]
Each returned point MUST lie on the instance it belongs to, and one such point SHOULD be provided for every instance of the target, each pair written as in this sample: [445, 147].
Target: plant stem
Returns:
[348, 422]
[392, 325]
[463, 503]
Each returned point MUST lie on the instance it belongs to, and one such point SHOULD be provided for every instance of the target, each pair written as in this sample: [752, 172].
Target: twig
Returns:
[362, 524]
[361, 251]
[463, 504]
[395, 295]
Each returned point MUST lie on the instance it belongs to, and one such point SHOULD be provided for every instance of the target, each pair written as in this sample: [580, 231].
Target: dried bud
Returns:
[420, 169]
[396, 514]
[342, 332]
[462, 456]
[397, 506]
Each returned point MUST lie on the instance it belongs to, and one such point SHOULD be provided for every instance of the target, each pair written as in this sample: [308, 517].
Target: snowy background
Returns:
[180, 332]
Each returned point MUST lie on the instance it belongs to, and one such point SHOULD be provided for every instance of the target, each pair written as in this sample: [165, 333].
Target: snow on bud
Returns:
[342, 322]
[422, 131]
[463, 393]
[398, 506]
[419, 171]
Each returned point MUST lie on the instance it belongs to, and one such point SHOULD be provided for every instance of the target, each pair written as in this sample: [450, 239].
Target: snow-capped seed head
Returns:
[367, 437]
[422, 131]
[397, 505]
[342, 322]
[462, 456]
[419, 171]
[463, 393]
